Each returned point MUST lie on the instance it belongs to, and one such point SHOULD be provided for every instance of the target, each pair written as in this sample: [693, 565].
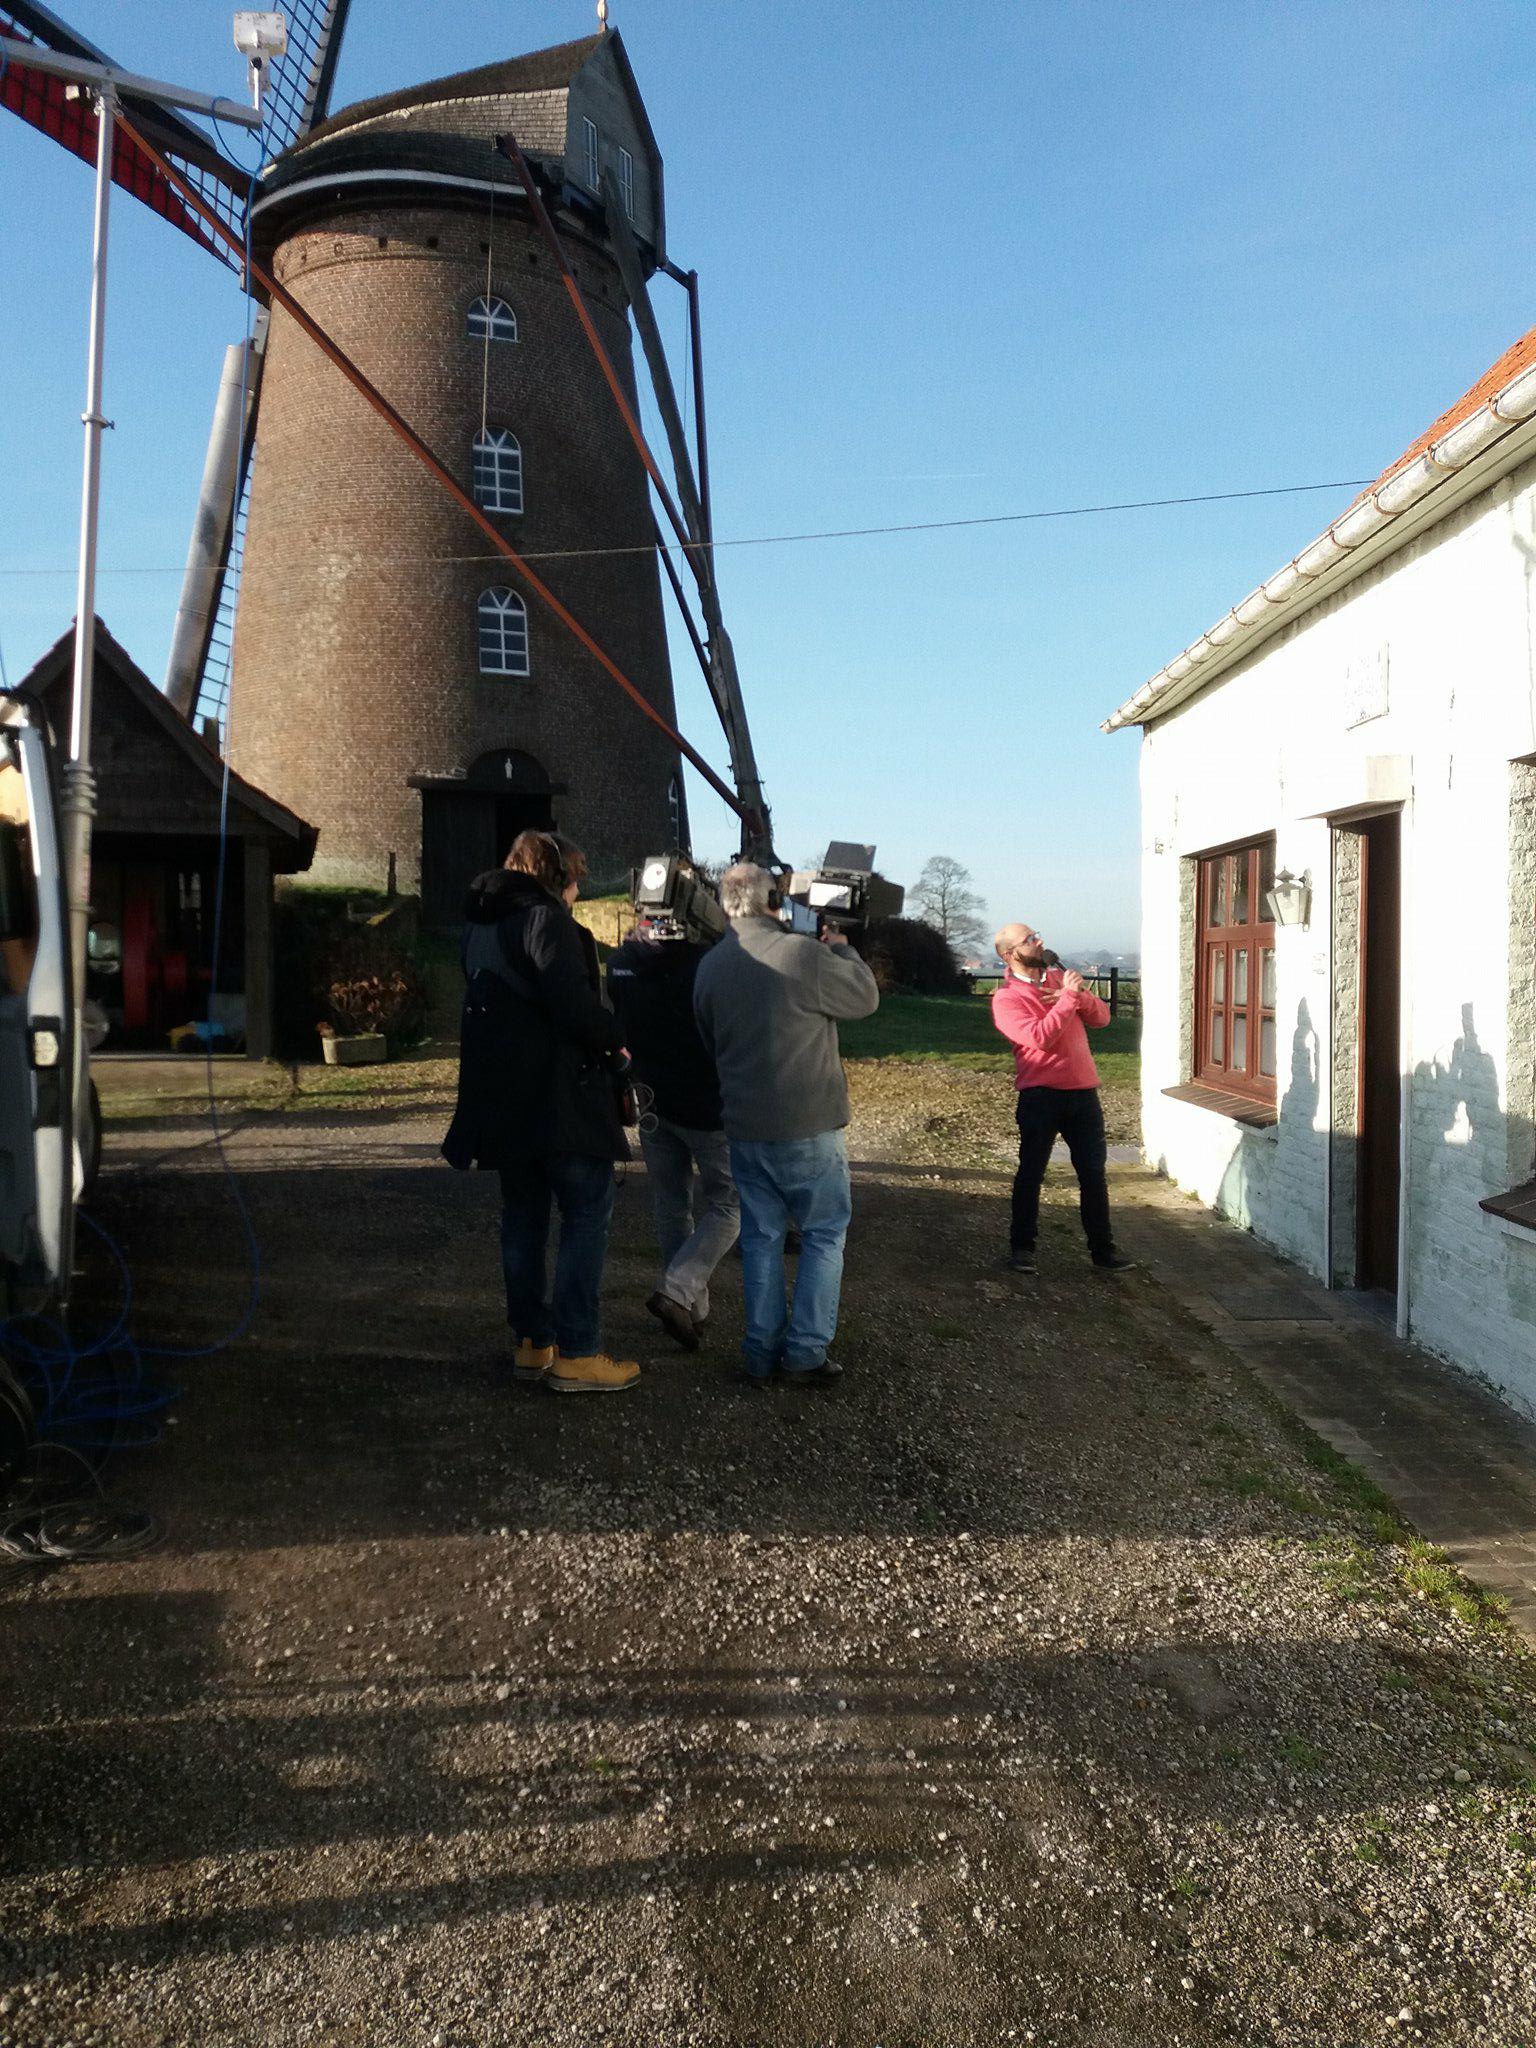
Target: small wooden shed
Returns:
[155, 864]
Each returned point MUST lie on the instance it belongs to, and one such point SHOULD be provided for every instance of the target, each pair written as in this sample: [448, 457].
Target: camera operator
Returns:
[1042, 1012]
[768, 1001]
[650, 984]
[538, 1057]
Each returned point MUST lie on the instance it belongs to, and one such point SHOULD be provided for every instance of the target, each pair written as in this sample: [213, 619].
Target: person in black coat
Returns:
[650, 983]
[539, 1058]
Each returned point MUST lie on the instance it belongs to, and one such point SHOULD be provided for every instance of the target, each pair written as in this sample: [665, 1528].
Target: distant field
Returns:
[958, 1030]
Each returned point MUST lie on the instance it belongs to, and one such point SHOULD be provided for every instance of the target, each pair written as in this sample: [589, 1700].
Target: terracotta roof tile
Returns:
[1514, 359]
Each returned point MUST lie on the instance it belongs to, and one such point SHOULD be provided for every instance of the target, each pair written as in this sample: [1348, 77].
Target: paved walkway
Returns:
[1459, 1464]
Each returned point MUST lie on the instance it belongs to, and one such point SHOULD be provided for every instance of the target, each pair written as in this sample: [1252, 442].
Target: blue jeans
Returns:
[691, 1247]
[582, 1189]
[802, 1181]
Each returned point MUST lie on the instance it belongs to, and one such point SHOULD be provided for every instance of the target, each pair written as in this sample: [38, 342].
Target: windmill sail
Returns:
[298, 92]
[198, 675]
[48, 104]
[211, 710]
[299, 83]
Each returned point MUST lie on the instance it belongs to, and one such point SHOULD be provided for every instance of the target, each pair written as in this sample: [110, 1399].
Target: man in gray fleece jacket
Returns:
[767, 1002]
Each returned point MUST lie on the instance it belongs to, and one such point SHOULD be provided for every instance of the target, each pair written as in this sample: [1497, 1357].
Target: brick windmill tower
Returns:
[389, 681]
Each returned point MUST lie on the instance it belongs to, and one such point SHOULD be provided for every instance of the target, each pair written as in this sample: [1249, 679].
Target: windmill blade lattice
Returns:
[213, 682]
[299, 82]
[46, 103]
[298, 96]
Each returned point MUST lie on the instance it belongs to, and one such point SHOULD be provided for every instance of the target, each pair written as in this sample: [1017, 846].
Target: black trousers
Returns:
[1074, 1114]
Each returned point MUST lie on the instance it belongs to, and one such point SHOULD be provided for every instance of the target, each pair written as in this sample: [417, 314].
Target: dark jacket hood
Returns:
[498, 892]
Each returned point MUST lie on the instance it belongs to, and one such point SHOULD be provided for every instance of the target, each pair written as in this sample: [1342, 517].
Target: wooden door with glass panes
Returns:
[1235, 1045]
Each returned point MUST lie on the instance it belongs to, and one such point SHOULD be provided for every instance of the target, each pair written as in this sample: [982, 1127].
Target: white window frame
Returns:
[501, 631]
[591, 143]
[491, 320]
[627, 182]
[498, 471]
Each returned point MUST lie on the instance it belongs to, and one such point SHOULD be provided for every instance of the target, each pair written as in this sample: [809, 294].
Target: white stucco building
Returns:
[1338, 787]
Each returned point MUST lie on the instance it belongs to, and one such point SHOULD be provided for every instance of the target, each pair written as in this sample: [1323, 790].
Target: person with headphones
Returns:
[540, 1057]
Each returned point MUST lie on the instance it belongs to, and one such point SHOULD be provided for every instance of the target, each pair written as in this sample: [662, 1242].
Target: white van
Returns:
[42, 1167]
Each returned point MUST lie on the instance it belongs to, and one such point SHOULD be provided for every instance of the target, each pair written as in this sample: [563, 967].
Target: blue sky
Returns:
[956, 261]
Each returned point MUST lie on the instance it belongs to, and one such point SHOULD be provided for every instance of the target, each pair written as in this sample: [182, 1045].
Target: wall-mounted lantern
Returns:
[1290, 900]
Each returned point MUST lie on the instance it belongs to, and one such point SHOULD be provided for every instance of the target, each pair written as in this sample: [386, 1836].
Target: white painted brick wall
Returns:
[1268, 749]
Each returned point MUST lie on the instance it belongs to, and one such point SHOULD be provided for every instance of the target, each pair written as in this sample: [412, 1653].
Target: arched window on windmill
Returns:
[498, 470]
[491, 320]
[503, 632]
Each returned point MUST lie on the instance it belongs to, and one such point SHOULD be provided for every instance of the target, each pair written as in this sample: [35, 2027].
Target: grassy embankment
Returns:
[958, 1030]
[954, 1030]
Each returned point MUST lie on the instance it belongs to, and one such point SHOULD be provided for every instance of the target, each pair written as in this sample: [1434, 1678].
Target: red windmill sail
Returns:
[63, 113]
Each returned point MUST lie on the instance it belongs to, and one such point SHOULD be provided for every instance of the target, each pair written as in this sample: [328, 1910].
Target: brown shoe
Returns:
[597, 1373]
[675, 1320]
[533, 1361]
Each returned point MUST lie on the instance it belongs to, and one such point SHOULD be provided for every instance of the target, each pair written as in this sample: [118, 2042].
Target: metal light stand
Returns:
[103, 82]
[79, 791]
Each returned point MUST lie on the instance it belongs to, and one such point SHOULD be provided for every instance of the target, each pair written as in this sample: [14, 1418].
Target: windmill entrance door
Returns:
[467, 825]
[1380, 1094]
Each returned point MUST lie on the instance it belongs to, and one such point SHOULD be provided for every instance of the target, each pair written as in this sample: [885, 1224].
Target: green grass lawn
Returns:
[958, 1030]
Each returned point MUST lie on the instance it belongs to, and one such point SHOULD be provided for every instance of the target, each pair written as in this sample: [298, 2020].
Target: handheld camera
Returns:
[676, 901]
[844, 892]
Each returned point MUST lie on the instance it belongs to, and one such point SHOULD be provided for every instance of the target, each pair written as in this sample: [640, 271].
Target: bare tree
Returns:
[945, 899]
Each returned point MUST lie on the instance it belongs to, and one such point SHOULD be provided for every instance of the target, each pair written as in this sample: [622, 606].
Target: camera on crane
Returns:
[676, 901]
[844, 892]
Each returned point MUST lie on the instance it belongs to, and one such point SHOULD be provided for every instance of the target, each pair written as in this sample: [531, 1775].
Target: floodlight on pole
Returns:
[261, 36]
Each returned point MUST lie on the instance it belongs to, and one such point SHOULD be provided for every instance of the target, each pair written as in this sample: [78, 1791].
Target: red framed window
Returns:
[1235, 1045]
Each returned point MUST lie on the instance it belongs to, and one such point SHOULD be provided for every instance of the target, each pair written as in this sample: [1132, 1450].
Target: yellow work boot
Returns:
[595, 1374]
[533, 1361]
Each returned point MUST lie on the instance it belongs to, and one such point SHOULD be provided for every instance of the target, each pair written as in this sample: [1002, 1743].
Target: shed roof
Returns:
[189, 796]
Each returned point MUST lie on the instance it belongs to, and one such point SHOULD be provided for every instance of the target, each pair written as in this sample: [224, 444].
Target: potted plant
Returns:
[367, 1005]
[351, 1048]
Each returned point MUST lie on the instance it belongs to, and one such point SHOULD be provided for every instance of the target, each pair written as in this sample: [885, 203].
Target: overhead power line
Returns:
[773, 540]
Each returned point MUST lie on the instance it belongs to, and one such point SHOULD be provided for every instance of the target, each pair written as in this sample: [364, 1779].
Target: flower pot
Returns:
[365, 1049]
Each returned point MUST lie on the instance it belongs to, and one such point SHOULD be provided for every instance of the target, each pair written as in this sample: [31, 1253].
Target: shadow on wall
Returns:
[1461, 1102]
[1248, 1194]
[1481, 1149]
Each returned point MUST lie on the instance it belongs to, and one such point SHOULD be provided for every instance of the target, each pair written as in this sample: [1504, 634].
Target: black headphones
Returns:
[552, 842]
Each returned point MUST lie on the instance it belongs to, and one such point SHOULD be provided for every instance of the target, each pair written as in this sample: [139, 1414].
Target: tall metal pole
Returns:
[79, 797]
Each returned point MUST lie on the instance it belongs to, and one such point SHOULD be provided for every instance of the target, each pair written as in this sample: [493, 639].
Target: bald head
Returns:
[1019, 945]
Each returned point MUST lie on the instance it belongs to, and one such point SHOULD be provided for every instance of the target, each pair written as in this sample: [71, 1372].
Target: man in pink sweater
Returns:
[1042, 1013]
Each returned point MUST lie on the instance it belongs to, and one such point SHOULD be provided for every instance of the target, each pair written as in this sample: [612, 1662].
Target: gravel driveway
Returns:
[1039, 1683]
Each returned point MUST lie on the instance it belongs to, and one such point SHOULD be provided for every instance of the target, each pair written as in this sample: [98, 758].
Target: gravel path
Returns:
[1036, 1684]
